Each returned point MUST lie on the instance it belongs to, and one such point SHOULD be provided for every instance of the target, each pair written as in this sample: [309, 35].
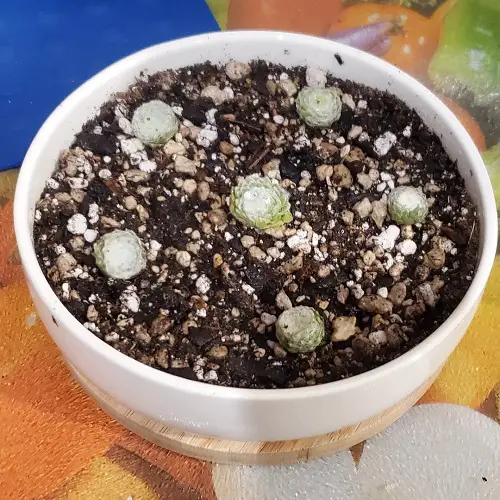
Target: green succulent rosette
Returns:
[319, 107]
[300, 329]
[120, 254]
[260, 203]
[407, 205]
[154, 123]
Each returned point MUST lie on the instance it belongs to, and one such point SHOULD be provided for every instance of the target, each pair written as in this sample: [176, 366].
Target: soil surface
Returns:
[206, 304]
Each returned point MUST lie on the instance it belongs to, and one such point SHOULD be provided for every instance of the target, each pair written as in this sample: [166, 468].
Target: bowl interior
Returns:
[287, 49]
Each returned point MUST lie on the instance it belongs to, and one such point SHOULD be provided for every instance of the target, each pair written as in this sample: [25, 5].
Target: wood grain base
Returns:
[247, 452]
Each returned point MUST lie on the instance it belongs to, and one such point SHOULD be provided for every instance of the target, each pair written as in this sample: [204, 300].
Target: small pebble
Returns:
[183, 258]
[130, 203]
[357, 291]
[234, 140]
[348, 101]
[279, 352]
[355, 132]
[214, 93]
[365, 181]
[274, 252]
[183, 165]
[268, 319]
[324, 271]
[189, 186]
[288, 87]
[435, 258]
[217, 217]
[378, 338]
[347, 217]
[65, 263]
[237, 70]
[283, 301]
[218, 352]
[396, 270]
[257, 253]
[426, 293]
[375, 304]
[226, 148]
[397, 294]
[407, 232]
[217, 260]
[342, 176]
[247, 241]
[344, 327]
[315, 78]
[363, 208]
[324, 172]
[369, 258]
[203, 190]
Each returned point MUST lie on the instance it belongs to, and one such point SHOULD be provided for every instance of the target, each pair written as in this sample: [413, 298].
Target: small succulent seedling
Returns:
[154, 123]
[407, 205]
[300, 329]
[319, 107]
[259, 202]
[120, 254]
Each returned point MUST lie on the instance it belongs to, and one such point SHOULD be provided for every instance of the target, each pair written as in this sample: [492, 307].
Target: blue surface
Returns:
[49, 47]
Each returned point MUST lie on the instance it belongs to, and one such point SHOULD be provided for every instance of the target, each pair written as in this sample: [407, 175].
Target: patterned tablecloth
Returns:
[56, 444]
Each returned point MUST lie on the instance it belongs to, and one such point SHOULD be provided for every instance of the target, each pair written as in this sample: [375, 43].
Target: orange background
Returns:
[56, 444]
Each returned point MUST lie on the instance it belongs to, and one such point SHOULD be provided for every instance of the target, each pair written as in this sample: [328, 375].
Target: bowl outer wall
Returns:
[232, 413]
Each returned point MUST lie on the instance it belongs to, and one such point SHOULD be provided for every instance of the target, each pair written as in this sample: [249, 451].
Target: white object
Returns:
[248, 414]
[315, 78]
[387, 238]
[395, 464]
[384, 143]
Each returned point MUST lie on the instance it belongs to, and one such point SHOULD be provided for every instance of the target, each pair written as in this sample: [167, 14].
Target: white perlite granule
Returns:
[387, 239]
[407, 247]
[77, 224]
[384, 143]
[130, 300]
[203, 284]
[315, 78]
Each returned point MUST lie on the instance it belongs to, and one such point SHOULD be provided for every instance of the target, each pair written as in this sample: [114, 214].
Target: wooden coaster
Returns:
[247, 452]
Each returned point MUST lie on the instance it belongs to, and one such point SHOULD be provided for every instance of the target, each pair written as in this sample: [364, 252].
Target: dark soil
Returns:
[225, 334]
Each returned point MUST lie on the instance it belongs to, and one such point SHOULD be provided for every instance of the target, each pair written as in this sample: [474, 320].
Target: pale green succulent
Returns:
[300, 329]
[120, 254]
[319, 107]
[154, 123]
[407, 205]
[260, 203]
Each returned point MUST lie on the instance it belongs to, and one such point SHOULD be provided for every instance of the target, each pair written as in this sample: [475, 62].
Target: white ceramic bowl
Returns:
[248, 414]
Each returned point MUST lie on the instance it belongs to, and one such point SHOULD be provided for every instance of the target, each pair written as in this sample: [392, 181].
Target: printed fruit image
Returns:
[412, 46]
[492, 161]
[467, 121]
[466, 65]
[311, 17]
